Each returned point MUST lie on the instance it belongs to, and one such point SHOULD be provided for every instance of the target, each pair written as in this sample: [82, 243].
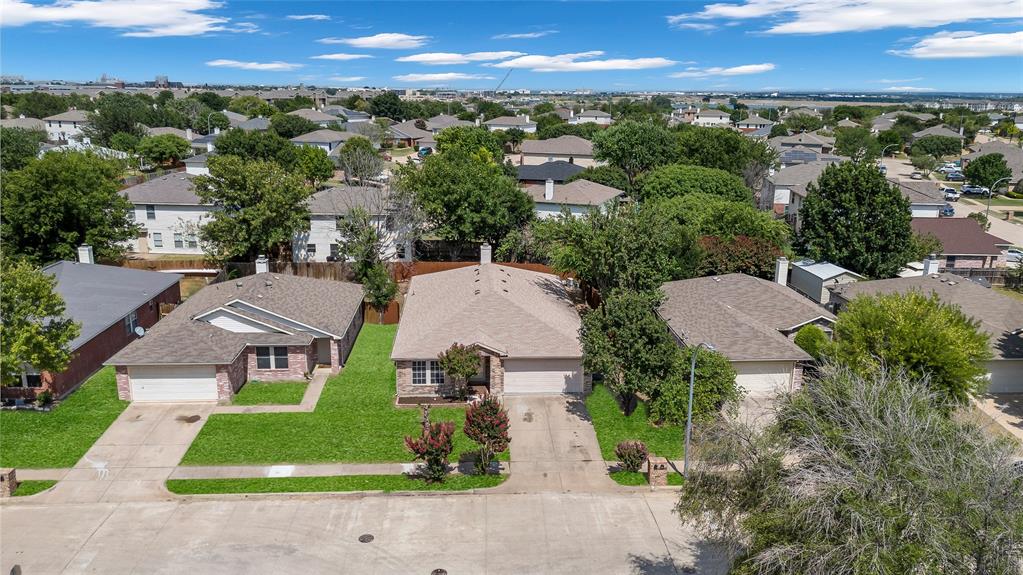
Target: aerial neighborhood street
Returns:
[522, 288]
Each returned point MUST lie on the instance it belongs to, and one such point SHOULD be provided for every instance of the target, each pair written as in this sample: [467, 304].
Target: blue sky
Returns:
[783, 45]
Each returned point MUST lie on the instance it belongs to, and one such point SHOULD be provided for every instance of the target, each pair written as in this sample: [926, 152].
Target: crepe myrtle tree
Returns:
[460, 362]
[433, 446]
[486, 423]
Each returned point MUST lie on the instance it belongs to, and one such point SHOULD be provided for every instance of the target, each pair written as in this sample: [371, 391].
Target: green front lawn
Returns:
[59, 438]
[1002, 201]
[386, 483]
[271, 393]
[612, 427]
[639, 478]
[355, 420]
[33, 486]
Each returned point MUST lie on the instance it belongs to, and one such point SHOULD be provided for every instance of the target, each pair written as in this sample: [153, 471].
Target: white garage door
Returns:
[763, 377]
[173, 383]
[1005, 376]
[543, 376]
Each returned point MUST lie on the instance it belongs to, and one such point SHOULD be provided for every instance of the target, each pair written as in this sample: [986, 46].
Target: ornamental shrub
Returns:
[486, 423]
[631, 454]
[812, 340]
[433, 447]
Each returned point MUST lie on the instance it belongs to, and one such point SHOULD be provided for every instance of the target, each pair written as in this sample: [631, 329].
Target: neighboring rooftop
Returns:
[99, 296]
[23, 123]
[756, 120]
[69, 116]
[941, 130]
[444, 121]
[340, 200]
[960, 236]
[823, 270]
[323, 137]
[743, 317]
[797, 177]
[518, 313]
[313, 115]
[577, 193]
[562, 145]
[1012, 153]
[558, 171]
[259, 123]
[510, 121]
[177, 189]
[999, 315]
[920, 192]
[322, 305]
[409, 130]
[593, 114]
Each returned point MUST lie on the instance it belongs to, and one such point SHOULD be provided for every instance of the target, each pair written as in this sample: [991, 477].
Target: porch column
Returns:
[335, 356]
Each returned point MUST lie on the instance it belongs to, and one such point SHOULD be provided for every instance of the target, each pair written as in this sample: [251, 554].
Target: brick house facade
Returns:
[405, 387]
[88, 358]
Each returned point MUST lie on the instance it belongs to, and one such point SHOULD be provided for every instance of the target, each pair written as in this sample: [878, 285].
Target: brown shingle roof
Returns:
[999, 315]
[743, 317]
[173, 189]
[563, 145]
[960, 236]
[577, 193]
[1012, 153]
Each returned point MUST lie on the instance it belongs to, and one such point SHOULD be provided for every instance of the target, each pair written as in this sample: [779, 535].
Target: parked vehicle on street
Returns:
[973, 190]
[916, 176]
[955, 177]
[948, 211]
[1014, 255]
[951, 195]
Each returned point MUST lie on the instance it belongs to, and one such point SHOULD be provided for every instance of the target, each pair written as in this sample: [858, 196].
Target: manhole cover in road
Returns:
[365, 538]
[439, 572]
[189, 418]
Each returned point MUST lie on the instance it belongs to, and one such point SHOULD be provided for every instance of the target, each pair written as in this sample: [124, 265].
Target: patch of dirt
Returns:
[528, 417]
[188, 418]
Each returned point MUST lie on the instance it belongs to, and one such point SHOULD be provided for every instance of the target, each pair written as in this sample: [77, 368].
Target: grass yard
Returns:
[355, 420]
[612, 427]
[639, 478]
[386, 483]
[1002, 201]
[271, 393]
[33, 486]
[59, 438]
[1009, 292]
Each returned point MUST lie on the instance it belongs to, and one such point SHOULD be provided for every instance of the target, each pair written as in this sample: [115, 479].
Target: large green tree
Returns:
[163, 149]
[988, 169]
[467, 198]
[359, 160]
[290, 126]
[919, 334]
[118, 112]
[610, 176]
[857, 143]
[387, 105]
[63, 200]
[937, 146]
[855, 218]
[713, 387]
[710, 215]
[676, 180]
[471, 139]
[623, 246]
[313, 164]
[34, 331]
[261, 207]
[635, 147]
[40, 105]
[803, 123]
[257, 145]
[726, 150]
[18, 146]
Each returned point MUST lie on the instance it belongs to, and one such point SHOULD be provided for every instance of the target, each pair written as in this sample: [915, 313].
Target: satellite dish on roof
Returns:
[140, 331]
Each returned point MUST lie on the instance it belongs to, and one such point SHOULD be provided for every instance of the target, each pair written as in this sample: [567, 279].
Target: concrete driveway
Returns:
[481, 533]
[136, 454]
[553, 447]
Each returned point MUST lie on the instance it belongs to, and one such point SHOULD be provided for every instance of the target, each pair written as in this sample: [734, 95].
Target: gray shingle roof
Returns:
[593, 114]
[258, 123]
[313, 115]
[518, 312]
[743, 317]
[69, 116]
[920, 192]
[323, 137]
[324, 305]
[562, 145]
[340, 200]
[509, 121]
[1012, 153]
[797, 177]
[409, 130]
[99, 296]
[173, 189]
[941, 130]
[558, 171]
[443, 121]
[577, 193]
[999, 315]
[23, 123]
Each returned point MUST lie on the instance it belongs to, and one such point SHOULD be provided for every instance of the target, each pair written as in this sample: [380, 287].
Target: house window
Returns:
[31, 380]
[419, 372]
[157, 240]
[150, 212]
[950, 261]
[436, 373]
[310, 250]
[193, 242]
[271, 357]
[131, 321]
[179, 240]
[335, 250]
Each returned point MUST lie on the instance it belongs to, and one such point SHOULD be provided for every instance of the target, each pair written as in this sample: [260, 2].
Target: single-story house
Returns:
[1012, 153]
[24, 123]
[999, 315]
[264, 326]
[568, 148]
[591, 117]
[965, 245]
[66, 125]
[444, 121]
[751, 321]
[558, 172]
[523, 324]
[315, 116]
[847, 123]
[109, 303]
[326, 140]
[170, 214]
[579, 196]
[925, 198]
[812, 278]
[407, 134]
[509, 122]
[322, 241]
[234, 118]
[711, 117]
[941, 130]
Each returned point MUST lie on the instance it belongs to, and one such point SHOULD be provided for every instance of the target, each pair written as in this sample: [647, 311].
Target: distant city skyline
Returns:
[854, 46]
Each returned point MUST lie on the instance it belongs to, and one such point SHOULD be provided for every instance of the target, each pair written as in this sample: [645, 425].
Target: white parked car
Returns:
[1014, 255]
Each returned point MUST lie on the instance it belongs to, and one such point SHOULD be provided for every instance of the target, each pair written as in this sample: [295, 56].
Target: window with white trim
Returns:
[419, 369]
[275, 357]
[436, 373]
[192, 240]
[157, 240]
[179, 240]
[150, 212]
[310, 250]
[131, 321]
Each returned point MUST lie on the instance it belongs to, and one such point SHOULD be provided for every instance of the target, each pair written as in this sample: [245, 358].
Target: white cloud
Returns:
[965, 45]
[261, 66]
[581, 62]
[342, 57]
[907, 89]
[448, 58]
[137, 18]
[346, 79]
[830, 16]
[441, 77]
[719, 71]
[387, 40]
[524, 35]
[702, 26]
[899, 81]
[307, 17]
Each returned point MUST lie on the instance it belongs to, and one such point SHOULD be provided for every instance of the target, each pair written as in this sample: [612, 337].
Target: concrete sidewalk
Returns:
[304, 470]
[309, 399]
